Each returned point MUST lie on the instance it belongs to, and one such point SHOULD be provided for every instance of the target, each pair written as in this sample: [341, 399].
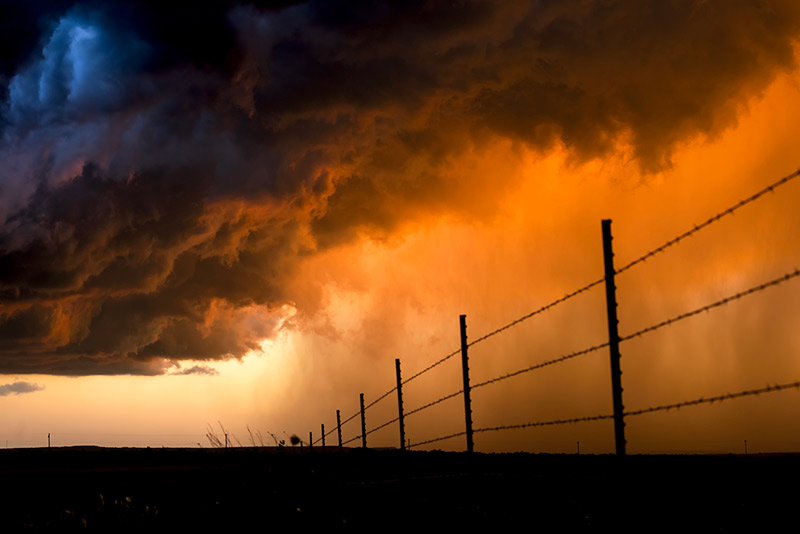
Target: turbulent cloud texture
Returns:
[166, 171]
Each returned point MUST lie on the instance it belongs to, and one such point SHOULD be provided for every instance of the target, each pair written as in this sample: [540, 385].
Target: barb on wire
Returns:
[711, 220]
[716, 304]
[542, 364]
[718, 398]
[387, 423]
[437, 401]
[537, 312]
[412, 445]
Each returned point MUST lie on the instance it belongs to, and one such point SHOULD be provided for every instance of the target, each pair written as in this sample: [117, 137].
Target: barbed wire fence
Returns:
[614, 340]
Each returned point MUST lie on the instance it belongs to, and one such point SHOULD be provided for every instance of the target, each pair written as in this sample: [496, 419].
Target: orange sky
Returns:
[339, 229]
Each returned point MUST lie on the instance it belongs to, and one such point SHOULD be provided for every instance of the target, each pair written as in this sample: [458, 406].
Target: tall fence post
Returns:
[465, 372]
[400, 405]
[339, 428]
[363, 423]
[613, 339]
[323, 436]
[310, 441]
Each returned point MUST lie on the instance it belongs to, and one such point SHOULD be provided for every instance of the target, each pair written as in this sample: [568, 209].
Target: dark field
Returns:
[146, 490]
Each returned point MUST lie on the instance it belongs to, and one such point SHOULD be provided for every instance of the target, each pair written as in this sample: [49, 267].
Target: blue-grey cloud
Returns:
[17, 388]
[196, 370]
[86, 67]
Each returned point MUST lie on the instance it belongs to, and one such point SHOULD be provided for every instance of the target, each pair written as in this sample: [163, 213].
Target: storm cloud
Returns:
[165, 170]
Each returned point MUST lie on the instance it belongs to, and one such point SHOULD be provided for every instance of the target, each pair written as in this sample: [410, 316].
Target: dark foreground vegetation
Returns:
[152, 490]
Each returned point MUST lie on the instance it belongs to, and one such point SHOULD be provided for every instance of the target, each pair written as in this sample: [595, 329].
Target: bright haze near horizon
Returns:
[240, 215]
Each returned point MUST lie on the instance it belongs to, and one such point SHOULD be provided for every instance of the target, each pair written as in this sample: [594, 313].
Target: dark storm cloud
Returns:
[17, 388]
[165, 169]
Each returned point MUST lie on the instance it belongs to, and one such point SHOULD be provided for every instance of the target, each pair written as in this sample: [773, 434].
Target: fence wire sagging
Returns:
[572, 355]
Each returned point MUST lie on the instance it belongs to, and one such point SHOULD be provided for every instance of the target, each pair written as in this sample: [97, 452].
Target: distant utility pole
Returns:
[48, 440]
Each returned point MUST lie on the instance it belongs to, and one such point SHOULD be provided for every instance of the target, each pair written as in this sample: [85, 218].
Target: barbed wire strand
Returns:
[542, 364]
[711, 220]
[412, 445]
[537, 312]
[376, 401]
[547, 423]
[437, 401]
[439, 362]
[718, 398]
[351, 440]
[387, 423]
[351, 417]
[524, 425]
[716, 304]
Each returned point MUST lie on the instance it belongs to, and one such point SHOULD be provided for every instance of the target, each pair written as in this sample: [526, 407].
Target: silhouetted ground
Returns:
[150, 490]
